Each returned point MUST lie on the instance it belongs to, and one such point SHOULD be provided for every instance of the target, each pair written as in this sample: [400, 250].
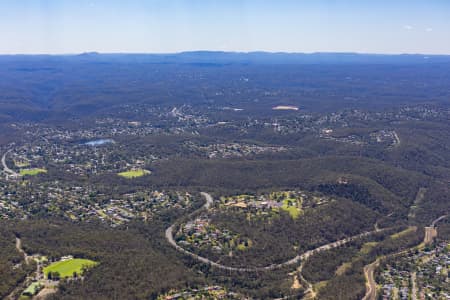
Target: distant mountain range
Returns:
[219, 57]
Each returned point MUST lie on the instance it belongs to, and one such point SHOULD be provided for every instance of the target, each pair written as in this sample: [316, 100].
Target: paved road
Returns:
[397, 139]
[433, 224]
[304, 257]
[414, 286]
[209, 200]
[6, 168]
[431, 231]
[369, 270]
[371, 291]
[293, 261]
[371, 285]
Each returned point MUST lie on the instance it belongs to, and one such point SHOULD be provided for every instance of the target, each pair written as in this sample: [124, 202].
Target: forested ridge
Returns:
[360, 145]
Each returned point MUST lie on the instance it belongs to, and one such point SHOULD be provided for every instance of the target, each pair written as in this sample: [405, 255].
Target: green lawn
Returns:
[293, 211]
[134, 173]
[68, 267]
[32, 172]
[32, 289]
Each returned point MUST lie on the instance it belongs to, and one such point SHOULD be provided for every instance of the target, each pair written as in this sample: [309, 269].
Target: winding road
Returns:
[371, 285]
[369, 270]
[6, 168]
[299, 258]
[433, 224]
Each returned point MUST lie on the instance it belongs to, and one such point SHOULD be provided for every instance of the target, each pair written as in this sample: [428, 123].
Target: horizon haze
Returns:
[65, 27]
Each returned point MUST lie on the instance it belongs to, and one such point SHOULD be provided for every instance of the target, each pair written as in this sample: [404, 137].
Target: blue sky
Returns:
[162, 26]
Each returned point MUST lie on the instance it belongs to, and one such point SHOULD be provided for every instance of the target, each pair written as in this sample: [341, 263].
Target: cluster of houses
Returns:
[7, 210]
[209, 292]
[389, 138]
[141, 205]
[20, 199]
[234, 150]
[80, 158]
[428, 271]
[201, 234]
[268, 204]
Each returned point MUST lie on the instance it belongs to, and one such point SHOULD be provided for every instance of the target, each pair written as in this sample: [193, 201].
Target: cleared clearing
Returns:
[67, 268]
[133, 173]
[285, 107]
[32, 172]
[402, 233]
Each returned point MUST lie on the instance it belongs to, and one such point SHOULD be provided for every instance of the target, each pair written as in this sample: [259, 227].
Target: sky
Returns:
[167, 26]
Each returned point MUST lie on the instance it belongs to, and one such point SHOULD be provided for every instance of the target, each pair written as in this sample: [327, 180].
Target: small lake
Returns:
[99, 142]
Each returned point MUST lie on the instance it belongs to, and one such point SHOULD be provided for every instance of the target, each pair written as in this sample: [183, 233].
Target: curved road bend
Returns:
[433, 224]
[371, 285]
[295, 260]
[6, 168]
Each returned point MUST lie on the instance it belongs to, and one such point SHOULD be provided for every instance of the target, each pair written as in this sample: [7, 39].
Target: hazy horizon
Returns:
[163, 27]
[220, 51]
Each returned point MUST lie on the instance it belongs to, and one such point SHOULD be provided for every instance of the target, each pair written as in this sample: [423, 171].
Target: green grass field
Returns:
[32, 172]
[68, 267]
[133, 173]
[293, 211]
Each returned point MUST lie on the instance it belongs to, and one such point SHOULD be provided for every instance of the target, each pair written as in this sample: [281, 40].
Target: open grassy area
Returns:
[365, 249]
[32, 289]
[68, 267]
[293, 211]
[401, 233]
[32, 172]
[134, 173]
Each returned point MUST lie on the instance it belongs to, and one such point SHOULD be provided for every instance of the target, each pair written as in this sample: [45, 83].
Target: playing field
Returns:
[66, 268]
[134, 173]
[32, 172]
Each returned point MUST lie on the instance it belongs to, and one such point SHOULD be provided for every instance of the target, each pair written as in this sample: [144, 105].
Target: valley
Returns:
[216, 182]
